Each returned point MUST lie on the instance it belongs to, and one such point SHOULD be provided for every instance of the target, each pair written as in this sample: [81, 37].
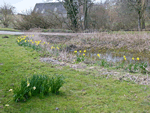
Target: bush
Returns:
[34, 20]
[37, 85]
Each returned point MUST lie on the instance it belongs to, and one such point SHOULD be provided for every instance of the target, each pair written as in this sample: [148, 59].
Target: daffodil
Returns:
[132, 58]
[138, 58]
[75, 51]
[98, 55]
[34, 87]
[10, 90]
[84, 50]
[6, 104]
[28, 84]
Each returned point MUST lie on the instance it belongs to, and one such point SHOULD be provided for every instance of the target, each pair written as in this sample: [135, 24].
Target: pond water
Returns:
[113, 57]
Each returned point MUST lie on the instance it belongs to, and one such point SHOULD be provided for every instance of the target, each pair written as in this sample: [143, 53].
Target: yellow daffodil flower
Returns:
[10, 90]
[75, 51]
[34, 87]
[28, 84]
[98, 55]
[6, 104]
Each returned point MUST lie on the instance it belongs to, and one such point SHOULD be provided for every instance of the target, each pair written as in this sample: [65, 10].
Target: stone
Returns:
[57, 108]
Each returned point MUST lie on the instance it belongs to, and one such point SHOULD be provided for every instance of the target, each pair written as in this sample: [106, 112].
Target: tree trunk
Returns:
[143, 21]
[85, 14]
[139, 21]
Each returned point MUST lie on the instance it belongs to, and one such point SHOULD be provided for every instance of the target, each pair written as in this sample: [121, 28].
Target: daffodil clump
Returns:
[37, 85]
[135, 65]
[24, 41]
[80, 57]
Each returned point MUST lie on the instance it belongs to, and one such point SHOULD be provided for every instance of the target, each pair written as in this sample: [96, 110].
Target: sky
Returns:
[23, 5]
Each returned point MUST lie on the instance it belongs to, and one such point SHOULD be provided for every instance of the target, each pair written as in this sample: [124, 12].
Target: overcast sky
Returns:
[23, 5]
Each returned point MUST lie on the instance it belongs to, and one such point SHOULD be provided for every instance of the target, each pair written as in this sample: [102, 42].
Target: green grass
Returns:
[81, 93]
[8, 29]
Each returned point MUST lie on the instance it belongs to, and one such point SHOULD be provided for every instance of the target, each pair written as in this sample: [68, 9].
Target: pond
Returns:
[114, 57]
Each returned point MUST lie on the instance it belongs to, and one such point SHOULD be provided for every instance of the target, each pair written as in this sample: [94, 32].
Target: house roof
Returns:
[53, 6]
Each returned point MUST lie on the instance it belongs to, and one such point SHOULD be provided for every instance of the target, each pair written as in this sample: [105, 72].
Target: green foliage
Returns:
[80, 58]
[133, 67]
[38, 84]
[121, 65]
[28, 44]
[143, 67]
[104, 63]
[56, 82]
[41, 83]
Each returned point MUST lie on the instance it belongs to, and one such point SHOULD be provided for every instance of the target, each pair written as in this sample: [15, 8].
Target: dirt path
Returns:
[41, 33]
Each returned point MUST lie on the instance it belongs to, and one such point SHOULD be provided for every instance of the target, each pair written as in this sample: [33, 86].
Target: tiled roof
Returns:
[54, 6]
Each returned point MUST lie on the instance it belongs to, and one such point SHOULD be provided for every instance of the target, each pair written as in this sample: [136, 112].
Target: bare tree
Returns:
[6, 11]
[140, 7]
[77, 12]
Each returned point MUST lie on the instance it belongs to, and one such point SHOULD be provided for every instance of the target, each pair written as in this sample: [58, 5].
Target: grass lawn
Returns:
[82, 92]
[8, 29]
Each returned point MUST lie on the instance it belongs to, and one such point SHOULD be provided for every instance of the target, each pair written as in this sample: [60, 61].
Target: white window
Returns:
[55, 9]
[37, 9]
[43, 11]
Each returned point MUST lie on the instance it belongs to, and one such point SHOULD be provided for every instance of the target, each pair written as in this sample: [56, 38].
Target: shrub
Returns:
[33, 20]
